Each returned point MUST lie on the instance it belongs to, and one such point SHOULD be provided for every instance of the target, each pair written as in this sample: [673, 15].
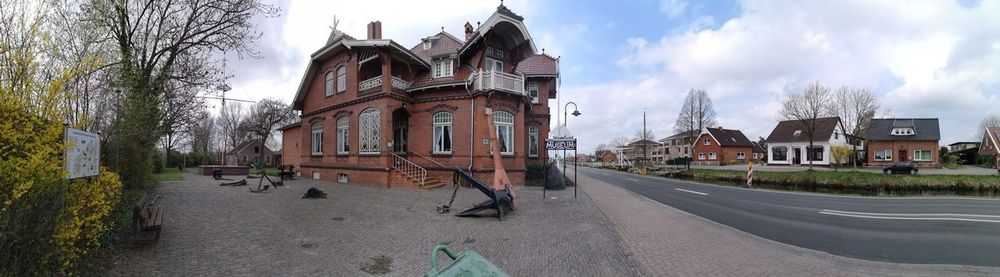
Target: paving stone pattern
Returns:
[358, 231]
[670, 242]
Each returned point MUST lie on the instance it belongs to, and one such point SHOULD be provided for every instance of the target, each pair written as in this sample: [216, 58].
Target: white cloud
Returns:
[925, 58]
[673, 8]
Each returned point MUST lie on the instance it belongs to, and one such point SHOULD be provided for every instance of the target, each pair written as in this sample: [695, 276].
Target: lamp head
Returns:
[576, 113]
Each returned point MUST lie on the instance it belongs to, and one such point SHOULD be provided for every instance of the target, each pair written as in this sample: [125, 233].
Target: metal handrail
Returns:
[429, 159]
[409, 169]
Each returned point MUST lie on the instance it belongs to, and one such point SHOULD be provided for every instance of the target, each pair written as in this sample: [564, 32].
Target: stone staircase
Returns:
[416, 176]
[401, 179]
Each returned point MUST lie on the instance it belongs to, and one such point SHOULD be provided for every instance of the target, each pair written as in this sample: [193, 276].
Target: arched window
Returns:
[341, 79]
[505, 131]
[533, 141]
[442, 133]
[342, 138]
[329, 83]
[317, 138]
[368, 131]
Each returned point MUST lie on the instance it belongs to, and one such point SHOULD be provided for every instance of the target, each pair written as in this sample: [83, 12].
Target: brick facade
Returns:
[903, 151]
[724, 155]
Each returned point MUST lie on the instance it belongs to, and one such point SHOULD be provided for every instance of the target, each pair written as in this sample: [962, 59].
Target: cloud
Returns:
[673, 8]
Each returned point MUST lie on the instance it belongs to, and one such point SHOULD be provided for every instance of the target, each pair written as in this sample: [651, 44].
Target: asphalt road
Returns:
[963, 231]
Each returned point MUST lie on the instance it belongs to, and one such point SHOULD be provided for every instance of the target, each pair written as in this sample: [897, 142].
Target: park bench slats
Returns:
[147, 216]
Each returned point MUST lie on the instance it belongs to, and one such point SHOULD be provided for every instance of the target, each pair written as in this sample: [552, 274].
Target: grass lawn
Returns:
[271, 171]
[861, 182]
[169, 174]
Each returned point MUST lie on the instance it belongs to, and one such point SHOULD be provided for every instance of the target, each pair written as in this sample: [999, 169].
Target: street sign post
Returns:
[564, 144]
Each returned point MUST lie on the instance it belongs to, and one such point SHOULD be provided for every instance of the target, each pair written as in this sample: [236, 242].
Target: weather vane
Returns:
[335, 23]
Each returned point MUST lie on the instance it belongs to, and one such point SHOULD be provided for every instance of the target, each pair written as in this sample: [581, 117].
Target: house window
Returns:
[329, 83]
[505, 131]
[341, 79]
[443, 68]
[317, 138]
[494, 53]
[256, 149]
[267, 159]
[244, 159]
[711, 155]
[741, 155]
[369, 132]
[797, 133]
[815, 153]
[342, 138]
[685, 150]
[921, 155]
[494, 64]
[442, 133]
[533, 141]
[836, 135]
[427, 44]
[705, 142]
[701, 156]
[779, 153]
[883, 155]
[533, 91]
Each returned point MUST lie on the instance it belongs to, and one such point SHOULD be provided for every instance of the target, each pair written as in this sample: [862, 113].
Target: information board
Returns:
[83, 153]
[560, 144]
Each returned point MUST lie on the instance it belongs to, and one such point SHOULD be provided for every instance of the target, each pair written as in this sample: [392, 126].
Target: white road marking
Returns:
[937, 217]
[633, 180]
[691, 191]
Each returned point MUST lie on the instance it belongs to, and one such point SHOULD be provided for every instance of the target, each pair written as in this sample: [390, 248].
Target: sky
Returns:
[934, 59]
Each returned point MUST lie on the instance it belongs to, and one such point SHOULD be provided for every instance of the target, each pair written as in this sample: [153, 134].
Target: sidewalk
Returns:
[670, 242]
[964, 170]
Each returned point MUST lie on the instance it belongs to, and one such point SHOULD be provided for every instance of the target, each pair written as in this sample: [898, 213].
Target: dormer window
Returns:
[903, 131]
[443, 68]
[797, 133]
[427, 44]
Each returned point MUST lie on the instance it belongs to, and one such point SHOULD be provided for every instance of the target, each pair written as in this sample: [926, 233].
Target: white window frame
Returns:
[442, 124]
[712, 156]
[369, 132]
[492, 64]
[316, 138]
[343, 139]
[886, 155]
[533, 141]
[427, 44]
[341, 79]
[444, 68]
[929, 154]
[741, 155]
[329, 83]
[701, 156]
[706, 142]
[504, 122]
[533, 91]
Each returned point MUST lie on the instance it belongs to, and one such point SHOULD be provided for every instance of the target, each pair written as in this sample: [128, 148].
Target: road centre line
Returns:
[868, 215]
[913, 215]
[691, 191]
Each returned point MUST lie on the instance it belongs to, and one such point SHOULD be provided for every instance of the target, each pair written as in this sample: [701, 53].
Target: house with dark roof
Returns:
[640, 150]
[967, 151]
[718, 146]
[759, 153]
[370, 105]
[788, 143]
[892, 140]
[990, 146]
[676, 146]
[249, 151]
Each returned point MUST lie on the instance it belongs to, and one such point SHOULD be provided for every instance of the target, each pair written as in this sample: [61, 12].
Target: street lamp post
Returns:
[576, 112]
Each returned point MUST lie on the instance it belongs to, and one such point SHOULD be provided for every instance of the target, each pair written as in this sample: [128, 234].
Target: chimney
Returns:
[375, 30]
[468, 31]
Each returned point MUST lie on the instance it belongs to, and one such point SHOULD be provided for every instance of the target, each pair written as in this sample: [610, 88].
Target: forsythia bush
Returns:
[85, 219]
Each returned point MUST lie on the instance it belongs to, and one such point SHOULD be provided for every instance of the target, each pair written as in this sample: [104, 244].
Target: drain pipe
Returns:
[472, 121]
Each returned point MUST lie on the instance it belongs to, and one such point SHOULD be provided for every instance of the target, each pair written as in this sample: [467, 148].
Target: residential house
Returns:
[249, 151]
[677, 146]
[990, 146]
[371, 106]
[759, 153]
[718, 146]
[967, 152]
[788, 143]
[892, 140]
[291, 145]
[640, 150]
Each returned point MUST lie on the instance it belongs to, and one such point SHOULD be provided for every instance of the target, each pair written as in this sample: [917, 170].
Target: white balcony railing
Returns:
[496, 80]
[376, 82]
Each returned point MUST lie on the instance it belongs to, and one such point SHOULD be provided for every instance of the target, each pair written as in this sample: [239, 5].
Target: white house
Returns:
[788, 144]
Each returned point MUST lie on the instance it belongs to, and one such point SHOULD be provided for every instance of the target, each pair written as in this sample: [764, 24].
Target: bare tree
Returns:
[264, 117]
[639, 135]
[992, 120]
[202, 134]
[696, 114]
[619, 142]
[856, 107]
[180, 108]
[229, 124]
[806, 108]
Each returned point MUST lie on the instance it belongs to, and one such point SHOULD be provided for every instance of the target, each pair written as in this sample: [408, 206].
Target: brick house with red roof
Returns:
[990, 146]
[371, 107]
[718, 146]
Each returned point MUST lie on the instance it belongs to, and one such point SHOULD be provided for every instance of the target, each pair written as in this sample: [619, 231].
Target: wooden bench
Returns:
[147, 216]
[286, 171]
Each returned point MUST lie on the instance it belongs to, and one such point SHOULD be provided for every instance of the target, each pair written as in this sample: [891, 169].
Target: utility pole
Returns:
[644, 158]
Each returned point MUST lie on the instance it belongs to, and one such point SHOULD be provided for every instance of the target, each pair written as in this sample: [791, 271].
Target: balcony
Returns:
[496, 80]
[376, 82]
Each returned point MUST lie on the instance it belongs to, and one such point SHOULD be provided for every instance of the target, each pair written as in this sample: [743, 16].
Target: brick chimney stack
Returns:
[468, 31]
[375, 30]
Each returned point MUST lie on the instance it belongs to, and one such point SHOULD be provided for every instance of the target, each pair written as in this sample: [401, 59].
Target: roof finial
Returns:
[335, 23]
[543, 51]
[442, 28]
[501, 2]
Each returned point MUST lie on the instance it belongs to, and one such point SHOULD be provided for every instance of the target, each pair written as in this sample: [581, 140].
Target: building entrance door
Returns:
[797, 158]
[902, 156]
[400, 131]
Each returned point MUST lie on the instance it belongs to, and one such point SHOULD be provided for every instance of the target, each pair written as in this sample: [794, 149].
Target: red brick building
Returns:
[717, 146]
[892, 140]
[990, 146]
[372, 108]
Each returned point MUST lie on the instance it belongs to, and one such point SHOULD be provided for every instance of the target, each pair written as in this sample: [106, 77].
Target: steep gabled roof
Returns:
[503, 15]
[442, 43]
[924, 129]
[994, 136]
[729, 138]
[757, 148]
[786, 130]
[289, 126]
[538, 65]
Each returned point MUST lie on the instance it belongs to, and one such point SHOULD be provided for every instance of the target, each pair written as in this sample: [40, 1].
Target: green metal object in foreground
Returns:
[468, 263]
